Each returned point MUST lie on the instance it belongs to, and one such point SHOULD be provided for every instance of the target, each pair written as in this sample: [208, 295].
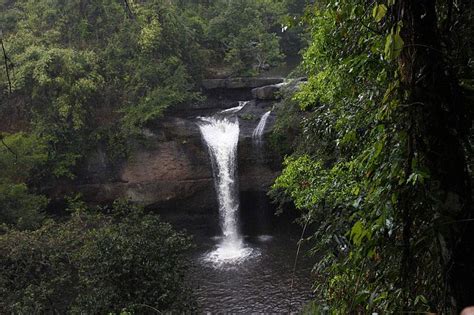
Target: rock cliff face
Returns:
[169, 167]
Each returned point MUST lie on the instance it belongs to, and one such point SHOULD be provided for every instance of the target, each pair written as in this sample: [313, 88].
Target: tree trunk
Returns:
[440, 122]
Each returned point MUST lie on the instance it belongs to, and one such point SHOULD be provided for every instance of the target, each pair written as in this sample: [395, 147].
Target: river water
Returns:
[264, 283]
[248, 267]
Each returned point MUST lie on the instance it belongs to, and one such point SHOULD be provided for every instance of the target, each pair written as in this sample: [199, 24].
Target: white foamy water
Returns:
[257, 134]
[221, 136]
[265, 238]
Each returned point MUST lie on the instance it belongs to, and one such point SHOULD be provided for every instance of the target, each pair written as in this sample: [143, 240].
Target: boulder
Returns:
[272, 92]
[238, 83]
[258, 82]
[269, 92]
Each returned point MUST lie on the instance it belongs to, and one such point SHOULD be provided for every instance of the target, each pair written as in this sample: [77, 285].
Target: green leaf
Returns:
[393, 45]
[398, 42]
[389, 47]
[379, 12]
[357, 233]
[378, 148]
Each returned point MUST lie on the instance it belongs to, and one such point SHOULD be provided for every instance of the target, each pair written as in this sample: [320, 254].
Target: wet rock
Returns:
[169, 168]
[274, 91]
[239, 83]
[269, 92]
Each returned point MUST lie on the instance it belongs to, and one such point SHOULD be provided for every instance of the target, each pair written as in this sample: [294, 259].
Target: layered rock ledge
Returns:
[169, 167]
[239, 83]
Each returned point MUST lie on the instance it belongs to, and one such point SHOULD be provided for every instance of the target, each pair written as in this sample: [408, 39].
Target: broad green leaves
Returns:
[349, 172]
[393, 44]
[359, 232]
[393, 41]
[379, 12]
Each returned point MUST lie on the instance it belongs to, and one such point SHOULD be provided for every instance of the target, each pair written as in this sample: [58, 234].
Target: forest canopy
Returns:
[382, 165]
[78, 74]
[377, 145]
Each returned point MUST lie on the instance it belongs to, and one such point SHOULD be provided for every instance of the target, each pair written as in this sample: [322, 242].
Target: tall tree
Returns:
[438, 124]
[382, 168]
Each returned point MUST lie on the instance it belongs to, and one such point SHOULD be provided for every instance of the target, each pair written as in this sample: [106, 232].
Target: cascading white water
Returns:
[221, 136]
[257, 134]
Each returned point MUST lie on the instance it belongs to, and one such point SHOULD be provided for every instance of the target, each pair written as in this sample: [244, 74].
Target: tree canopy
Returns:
[377, 144]
[382, 166]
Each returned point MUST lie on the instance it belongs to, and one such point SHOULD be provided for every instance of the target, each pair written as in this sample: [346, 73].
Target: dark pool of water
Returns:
[264, 283]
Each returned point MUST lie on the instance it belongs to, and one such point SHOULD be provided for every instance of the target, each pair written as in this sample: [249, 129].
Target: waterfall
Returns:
[260, 202]
[221, 136]
[257, 134]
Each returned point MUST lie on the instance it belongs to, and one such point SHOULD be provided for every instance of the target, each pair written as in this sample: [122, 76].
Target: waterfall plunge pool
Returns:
[262, 283]
[248, 268]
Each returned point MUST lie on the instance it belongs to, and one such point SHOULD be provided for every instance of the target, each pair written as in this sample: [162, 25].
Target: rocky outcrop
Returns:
[169, 167]
[274, 91]
[239, 83]
[269, 92]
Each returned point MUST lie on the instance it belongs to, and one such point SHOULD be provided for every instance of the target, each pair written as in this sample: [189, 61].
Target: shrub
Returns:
[95, 263]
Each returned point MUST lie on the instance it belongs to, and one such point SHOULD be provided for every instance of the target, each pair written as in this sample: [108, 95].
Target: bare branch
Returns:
[8, 148]
[6, 59]
[129, 9]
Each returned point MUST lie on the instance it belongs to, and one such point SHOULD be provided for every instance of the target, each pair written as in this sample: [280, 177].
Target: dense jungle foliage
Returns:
[81, 74]
[378, 144]
[381, 171]
[115, 259]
